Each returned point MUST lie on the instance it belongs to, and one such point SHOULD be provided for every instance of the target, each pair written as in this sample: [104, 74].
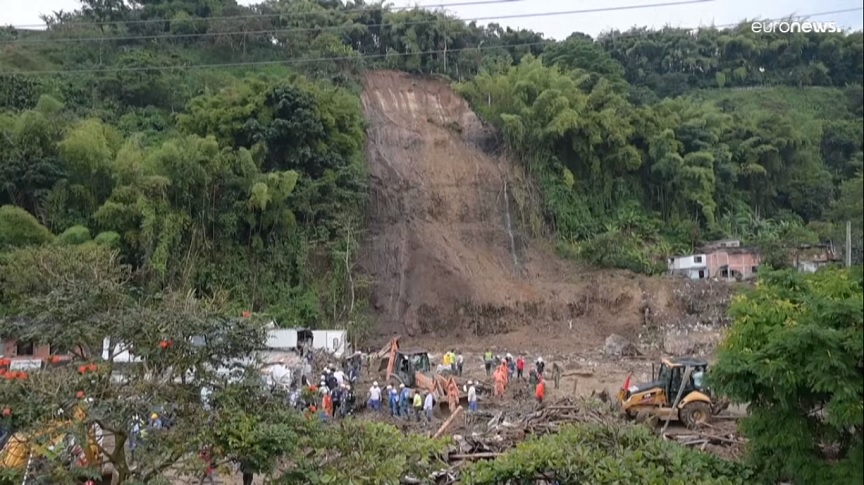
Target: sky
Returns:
[717, 12]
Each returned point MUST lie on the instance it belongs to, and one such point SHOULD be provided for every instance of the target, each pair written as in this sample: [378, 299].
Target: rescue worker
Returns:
[472, 397]
[532, 377]
[427, 405]
[247, 471]
[347, 400]
[459, 363]
[206, 456]
[445, 360]
[375, 397]
[453, 368]
[506, 371]
[418, 405]
[556, 374]
[393, 400]
[511, 367]
[541, 366]
[500, 381]
[339, 376]
[487, 360]
[520, 367]
[540, 391]
[336, 397]
[327, 404]
[404, 399]
[155, 422]
[332, 382]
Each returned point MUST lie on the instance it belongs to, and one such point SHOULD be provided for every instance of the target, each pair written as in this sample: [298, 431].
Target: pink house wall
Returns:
[741, 262]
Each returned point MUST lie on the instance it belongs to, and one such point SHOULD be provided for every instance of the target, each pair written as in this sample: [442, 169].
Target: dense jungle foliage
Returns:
[246, 182]
[152, 150]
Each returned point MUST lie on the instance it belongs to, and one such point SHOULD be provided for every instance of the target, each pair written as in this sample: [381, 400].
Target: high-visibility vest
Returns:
[487, 356]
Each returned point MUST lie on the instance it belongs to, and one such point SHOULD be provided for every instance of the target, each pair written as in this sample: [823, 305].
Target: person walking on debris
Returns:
[427, 405]
[327, 404]
[206, 456]
[532, 377]
[393, 399]
[511, 367]
[520, 367]
[418, 405]
[247, 471]
[459, 363]
[556, 374]
[540, 391]
[375, 397]
[347, 401]
[453, 368]
[404, 399]
[500, 378]
[541, 366]
[472, 397]
[487, 360]
[336, 396]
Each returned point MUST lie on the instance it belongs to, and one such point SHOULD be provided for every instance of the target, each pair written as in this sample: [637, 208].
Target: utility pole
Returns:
[848, 244]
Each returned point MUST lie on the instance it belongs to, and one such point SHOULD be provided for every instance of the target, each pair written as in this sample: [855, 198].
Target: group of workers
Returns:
[509, 367]
[403, 402]
[453, 362]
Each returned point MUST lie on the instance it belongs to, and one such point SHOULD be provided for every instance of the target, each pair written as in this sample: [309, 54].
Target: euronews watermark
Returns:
[794, 27]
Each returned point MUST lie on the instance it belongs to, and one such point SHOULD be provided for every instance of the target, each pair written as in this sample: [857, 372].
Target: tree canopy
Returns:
[795, 353]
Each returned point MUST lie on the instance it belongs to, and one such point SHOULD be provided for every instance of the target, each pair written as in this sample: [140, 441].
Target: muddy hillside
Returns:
[447, 260]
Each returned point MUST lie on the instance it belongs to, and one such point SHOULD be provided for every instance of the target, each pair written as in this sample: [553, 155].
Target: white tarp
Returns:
[335, 341]
[25, 364]
[121, 352]
[282, 339]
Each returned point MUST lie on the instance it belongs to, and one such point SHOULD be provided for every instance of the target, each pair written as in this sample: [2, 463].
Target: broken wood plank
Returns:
[447, 423]
[474, 456]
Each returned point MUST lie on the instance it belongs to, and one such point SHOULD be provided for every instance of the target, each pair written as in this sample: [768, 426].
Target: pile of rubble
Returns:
[490, 434]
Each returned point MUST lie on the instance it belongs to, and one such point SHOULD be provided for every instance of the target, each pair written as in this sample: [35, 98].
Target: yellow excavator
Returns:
[413, 369]
[695, 403]
[22, 450]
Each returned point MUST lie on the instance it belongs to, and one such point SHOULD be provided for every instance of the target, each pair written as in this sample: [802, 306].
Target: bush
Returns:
[74, 236]
[19, 228]
[605, 454]
[108, 238]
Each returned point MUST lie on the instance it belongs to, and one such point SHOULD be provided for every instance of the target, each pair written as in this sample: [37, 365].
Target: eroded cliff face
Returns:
[442, 248]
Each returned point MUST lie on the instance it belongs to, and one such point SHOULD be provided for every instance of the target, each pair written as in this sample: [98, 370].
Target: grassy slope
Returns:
[811, 102]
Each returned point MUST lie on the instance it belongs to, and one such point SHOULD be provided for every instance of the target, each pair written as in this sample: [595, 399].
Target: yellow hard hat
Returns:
[154, 416]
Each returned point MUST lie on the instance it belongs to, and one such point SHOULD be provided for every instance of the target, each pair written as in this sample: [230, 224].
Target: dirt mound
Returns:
[442, 248]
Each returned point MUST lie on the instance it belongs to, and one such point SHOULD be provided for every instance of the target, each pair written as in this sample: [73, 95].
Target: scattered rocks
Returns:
[618, 346]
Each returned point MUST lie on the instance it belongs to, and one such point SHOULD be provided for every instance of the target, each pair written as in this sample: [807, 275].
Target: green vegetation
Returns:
[166, 163]
[796, 355]
[592, 453]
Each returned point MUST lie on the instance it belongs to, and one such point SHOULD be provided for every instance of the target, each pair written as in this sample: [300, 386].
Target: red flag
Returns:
[627, 382]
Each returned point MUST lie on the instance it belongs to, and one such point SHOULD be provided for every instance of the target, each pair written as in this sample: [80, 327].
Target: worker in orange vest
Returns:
[540, 391]
[500, 377]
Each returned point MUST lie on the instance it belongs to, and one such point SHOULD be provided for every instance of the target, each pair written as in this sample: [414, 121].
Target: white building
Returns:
[693, 266]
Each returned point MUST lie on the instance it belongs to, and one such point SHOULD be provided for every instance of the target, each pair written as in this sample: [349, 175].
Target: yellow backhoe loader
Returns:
[676, 392]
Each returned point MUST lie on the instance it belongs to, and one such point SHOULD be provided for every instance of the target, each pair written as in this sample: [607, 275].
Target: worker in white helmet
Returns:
[472, 397]
[375, 397]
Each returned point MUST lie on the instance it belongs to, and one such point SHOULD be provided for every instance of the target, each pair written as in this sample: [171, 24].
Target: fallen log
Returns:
[474, 456]
[447, 423]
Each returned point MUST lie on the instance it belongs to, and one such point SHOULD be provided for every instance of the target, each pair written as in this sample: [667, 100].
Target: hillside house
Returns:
[725, 259]
[809, 258]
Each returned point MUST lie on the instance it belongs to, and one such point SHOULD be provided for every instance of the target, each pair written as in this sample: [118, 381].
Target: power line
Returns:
[349, 26]
[375, 56]
[367, 8]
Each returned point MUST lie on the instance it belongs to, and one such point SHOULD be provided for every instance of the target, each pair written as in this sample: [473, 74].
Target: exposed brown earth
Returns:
[445, 269]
